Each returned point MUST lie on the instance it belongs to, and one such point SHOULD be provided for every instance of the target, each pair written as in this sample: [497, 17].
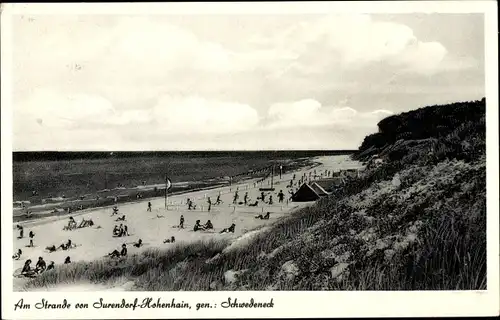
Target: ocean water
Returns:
[54, 174]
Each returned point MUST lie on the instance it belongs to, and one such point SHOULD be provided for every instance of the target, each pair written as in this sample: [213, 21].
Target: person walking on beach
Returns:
[281, 196]
[149, 206]
[270, 199]
[245, 198]
[219, 201]
[209, 204]
[181, 222]
[190, 204]
[32, 235]
[236, 197]
[21, 231]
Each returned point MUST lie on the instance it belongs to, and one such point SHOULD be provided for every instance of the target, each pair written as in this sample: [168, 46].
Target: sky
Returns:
[233, 82]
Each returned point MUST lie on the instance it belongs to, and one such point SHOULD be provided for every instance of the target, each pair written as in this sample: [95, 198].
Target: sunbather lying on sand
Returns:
[121, 219]
[266, 217]
[230, 229]
[254, 204]
[171, 240]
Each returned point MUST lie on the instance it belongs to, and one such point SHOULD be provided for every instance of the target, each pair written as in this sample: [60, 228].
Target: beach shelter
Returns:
[319, 189]
[305, 193]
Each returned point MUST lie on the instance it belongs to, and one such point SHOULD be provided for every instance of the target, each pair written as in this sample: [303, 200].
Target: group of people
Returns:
[206, 226]
[120, 231]
[65, 246]
[40, 267]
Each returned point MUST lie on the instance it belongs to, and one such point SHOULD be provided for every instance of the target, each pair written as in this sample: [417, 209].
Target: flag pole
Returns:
[166, 191]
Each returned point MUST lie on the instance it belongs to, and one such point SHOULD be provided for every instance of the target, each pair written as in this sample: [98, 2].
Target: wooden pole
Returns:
[166, 190]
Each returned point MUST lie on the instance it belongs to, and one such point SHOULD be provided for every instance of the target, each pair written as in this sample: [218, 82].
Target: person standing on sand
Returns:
[32, 235]
[181, 222]
[21, 231]
[281, 196]
[270, 199]
[149, 206]
[209, 204]
[245, 198]
[236, 197]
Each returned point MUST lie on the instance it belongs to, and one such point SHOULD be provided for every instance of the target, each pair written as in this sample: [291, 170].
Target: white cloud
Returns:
[310, 113]
[199, 115]
[51, 109]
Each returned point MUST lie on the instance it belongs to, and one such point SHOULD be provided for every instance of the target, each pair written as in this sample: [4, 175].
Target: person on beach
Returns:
[245, 198]
[21, 231]
[171, 240]
[115, 210]
[219, 201]
[209, 204]
[67, 260]
[255, 204]
[26, 271]
[208, 225]
[120, 230]
[198, 226]
[235, 197]
[190, 204]
[17, 255]
[51, 249]
[138, 244]
[66, 246]
[40, 265]
[263, 196]
[71, 223]
[230, 229]
[125, 231]
[121, 219]
[51, 266]
[117, 254]
[149, 206]
[270, 199]
[266, 217]
[116, 230]
[181, 222]
[281, 196]
[31, 235]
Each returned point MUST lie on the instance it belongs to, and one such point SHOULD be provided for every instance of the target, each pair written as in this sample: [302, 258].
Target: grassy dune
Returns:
[415, 222]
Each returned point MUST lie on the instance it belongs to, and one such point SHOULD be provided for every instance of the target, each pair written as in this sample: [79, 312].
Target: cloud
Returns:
[50, 109]
[357, 41]
[198, 115]
[310, 113]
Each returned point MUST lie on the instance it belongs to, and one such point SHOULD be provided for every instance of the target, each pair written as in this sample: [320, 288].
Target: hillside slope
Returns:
[414, 221]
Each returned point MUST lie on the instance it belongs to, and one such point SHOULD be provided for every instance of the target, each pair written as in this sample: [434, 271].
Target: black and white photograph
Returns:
[228, 152]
